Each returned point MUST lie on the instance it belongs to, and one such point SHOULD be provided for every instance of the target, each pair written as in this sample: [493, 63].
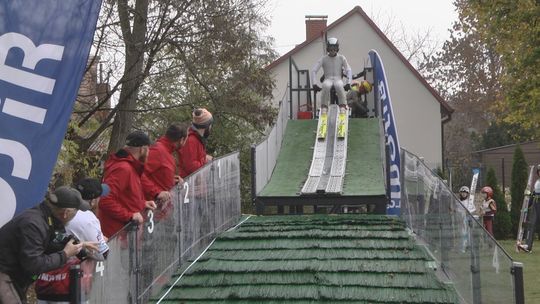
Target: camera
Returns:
[61, 239]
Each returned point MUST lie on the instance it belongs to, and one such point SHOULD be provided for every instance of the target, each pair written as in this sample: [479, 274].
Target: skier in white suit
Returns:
[334, 67]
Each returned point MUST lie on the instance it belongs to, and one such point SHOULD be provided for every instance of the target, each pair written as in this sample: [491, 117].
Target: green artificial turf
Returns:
[314, 259]
[294, 159]
[364, 168]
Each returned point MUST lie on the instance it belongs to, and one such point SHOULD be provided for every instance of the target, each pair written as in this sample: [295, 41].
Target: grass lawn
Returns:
[531, 268]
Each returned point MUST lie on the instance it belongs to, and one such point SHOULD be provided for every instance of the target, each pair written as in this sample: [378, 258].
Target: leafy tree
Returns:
[155, 50]
[461, 176]
[501, 133]
[502, 224]
[519, 182]
[513, 27]
[72, 165]
[466, 73]
[164, 58]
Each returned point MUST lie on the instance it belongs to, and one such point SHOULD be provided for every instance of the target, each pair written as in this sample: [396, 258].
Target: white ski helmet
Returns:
[332, 41]
[464, 189]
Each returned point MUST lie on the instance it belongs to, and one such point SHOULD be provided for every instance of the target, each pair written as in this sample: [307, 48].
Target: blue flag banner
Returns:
[44, 47]
[382, 96]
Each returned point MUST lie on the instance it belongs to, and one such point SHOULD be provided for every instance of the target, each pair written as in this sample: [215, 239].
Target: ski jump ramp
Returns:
[363, 181]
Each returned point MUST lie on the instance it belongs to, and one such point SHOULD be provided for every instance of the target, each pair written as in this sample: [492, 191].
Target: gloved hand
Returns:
[347, 87]
[316, 88]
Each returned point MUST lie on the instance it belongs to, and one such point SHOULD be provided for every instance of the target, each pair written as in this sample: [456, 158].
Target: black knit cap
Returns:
[91, 188]
[138, 139]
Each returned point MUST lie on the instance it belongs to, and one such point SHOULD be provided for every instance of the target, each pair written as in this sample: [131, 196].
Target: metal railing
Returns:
[466, 255]
[264, 155]
[142, 258]
[300, 91]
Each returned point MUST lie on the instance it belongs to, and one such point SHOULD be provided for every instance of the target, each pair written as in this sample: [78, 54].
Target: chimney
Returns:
[315, 26]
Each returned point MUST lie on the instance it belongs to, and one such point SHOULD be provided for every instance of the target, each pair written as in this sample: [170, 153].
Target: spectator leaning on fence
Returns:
[53, 286]
[32, 243]
[193, 155]
[160, 168]
[125, 201]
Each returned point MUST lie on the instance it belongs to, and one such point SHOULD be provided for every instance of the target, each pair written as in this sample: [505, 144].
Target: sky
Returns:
[417, 16]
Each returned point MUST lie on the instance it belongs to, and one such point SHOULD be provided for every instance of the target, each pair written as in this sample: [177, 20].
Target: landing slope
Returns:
[313, 259]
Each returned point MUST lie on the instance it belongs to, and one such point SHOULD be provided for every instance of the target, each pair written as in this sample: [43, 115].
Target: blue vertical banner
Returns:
[44, 47]
[382, 97]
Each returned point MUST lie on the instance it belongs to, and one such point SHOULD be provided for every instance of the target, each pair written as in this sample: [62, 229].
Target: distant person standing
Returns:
[489, 208]
[192, 155]
[533, 214]
[465, 199]
[125, 201]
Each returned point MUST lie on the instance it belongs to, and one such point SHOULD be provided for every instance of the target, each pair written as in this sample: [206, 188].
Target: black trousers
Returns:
[533, 217]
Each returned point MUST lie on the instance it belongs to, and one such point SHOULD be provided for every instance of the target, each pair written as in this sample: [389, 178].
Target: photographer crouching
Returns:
[31, 243]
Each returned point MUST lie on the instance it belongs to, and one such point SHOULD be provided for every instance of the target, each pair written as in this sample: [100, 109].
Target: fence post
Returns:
[134, 269]
[180, 222]
[75, 276]
[517, 272]
[475, 263]
[253, 173]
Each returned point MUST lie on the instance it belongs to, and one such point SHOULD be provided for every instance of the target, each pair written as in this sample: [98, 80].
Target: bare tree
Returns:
[416, 47]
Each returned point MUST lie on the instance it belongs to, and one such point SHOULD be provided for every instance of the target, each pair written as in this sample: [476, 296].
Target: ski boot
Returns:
[323, 124]
[523, 247]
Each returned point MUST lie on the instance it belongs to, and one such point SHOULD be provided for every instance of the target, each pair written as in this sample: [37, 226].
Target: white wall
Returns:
[416, 111]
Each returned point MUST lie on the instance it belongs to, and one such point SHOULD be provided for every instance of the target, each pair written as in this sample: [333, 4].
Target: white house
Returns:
[420, 112]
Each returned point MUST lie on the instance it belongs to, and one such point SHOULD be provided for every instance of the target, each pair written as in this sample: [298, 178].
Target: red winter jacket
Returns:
[159, 168]
[192, 155]
[123, 175]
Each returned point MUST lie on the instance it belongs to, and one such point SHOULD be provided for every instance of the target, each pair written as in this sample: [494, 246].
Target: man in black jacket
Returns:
[33, 242]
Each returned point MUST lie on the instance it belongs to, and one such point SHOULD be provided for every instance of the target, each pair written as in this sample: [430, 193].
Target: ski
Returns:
[342, 123]
[323, 124]
[523, 229]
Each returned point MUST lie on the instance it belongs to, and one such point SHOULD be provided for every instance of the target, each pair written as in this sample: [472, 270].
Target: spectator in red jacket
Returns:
[160, 169]
[193, 155]
[123, 170]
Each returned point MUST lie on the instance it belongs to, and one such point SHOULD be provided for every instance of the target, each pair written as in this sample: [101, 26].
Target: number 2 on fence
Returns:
[186, 198]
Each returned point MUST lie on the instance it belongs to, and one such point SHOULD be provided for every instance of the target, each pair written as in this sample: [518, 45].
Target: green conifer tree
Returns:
[517, 188]
[502, 224]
